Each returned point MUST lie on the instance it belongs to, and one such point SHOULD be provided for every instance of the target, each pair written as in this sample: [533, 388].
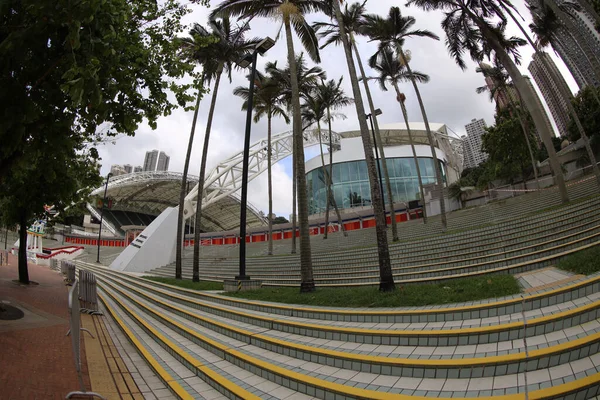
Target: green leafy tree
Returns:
[72, 73]
[506, 146]
[589, 114]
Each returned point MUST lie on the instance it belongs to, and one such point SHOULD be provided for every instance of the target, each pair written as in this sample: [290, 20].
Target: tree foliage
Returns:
[589, 113]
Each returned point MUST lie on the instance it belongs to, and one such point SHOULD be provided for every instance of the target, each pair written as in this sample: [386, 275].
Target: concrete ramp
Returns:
[153, 248]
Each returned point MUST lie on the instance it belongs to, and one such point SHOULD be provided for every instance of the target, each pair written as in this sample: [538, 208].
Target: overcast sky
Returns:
[449, 97]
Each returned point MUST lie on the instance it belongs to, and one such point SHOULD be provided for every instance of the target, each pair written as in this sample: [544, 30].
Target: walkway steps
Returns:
[263, 355]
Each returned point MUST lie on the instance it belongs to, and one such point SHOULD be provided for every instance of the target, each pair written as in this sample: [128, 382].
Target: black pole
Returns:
[244, 200]
[376, 154]
[102, 216]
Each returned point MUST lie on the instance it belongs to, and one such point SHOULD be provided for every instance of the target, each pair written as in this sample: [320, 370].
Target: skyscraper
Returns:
[541, 106]
[472, 143]
[549, 80]
[578, 47]
[138, 169]
[501, 97]
[150, 160]
[117, 170]
[163, 162]
[128, 168]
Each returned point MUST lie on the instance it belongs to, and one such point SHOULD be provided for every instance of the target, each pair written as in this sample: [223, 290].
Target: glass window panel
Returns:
[336, 173]
[339, 196]
[353, 171]
[362, 171]
[344, 172]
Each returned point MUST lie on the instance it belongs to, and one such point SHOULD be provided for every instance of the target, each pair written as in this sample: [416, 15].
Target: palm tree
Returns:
[195, 48]
[502, 87]
[391, 32]
[230, 46]
[386, 278]
[392, 70]
[267, 102]
[468, 29]
[333, 98]
[292, 12]
[307, 78]
[353, 18]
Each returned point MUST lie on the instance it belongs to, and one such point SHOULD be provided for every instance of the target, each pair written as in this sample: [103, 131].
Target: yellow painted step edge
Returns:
[391, 361]
[370, 394]
[226, 383]
[172, 383]
[380, 332]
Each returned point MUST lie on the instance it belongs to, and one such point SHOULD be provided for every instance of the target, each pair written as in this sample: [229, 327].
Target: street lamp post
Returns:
[102, 215]
[261, 48]
[370, 117]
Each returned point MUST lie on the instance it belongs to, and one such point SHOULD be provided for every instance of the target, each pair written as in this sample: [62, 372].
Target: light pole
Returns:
[261, 48]
[102, 215]
[370, 117]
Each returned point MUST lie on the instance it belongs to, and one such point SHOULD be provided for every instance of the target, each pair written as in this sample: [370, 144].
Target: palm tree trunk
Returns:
[385, 267]
[294, 211]
[306, 271]
[270, 184]
[412, 146]
[183, 191]
[438, 169]
[23, 271]
[326, 181]
[380, 146]
[563, 91]
[330, 181]
[525, 129]
[213, 102]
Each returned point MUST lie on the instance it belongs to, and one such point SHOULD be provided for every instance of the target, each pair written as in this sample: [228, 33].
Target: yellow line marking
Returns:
[171, 382]
[363, 393]
[479, 361]
[227, 384]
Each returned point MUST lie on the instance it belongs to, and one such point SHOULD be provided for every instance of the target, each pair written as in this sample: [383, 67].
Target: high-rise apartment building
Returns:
[577, 42]
[502, 97]
[117, 170]
[128, 168]
[151, 160]
[163, 162]
[473, 155]
[541, 107]
[550, 81]
[138, 169]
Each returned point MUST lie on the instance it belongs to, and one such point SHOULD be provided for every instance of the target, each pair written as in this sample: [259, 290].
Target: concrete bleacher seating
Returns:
[537, 345]
[543, 345]
[513, 236]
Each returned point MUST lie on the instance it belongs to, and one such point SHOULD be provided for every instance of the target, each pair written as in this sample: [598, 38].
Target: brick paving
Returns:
[37, 359]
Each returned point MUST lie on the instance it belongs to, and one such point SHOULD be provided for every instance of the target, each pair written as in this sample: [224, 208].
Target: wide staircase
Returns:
[203, 345]
[512, 236]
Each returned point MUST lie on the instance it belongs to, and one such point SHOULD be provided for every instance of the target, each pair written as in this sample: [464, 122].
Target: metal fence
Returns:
[87, 293]
[67, 268]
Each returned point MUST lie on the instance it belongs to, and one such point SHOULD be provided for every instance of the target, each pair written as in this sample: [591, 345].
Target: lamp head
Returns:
[378, 112]
[245, 61]
[264, 45]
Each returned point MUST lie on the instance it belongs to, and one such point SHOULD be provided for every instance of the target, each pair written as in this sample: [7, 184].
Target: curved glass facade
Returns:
[351, 182]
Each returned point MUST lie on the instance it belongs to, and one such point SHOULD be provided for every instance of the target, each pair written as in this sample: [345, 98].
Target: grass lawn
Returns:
[584, 262]
[186, 283]
[454, 291]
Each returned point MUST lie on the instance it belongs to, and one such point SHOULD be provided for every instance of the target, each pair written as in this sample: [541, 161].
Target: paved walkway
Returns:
[36, 356]
[545, 278]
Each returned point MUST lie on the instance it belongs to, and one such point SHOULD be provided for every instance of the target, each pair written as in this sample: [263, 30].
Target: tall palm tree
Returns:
[468, 29]
[502, 87]
[386, 278]
[353, 17]
[307, 78]
[333, 98]
[292, 13]
[197, 48]
[267, 102]
[392, 70]
[391, 32]
[231, 44]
